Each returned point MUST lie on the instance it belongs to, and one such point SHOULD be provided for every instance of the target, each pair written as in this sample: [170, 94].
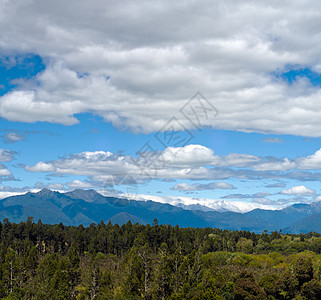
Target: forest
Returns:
[132, 261]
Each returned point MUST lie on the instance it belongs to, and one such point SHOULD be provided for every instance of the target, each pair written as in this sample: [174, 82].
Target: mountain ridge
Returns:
[88, 206]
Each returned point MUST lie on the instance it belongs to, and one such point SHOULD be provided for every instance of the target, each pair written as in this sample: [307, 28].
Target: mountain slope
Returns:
[87, 195]
[310, 223]
[283, 219]
[45, 205]
[87, 206]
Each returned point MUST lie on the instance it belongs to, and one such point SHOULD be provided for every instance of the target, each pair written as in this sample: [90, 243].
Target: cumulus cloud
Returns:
[4, 171]
[140, 72]
[276, 165]
[298, 190]
[118, 169]
[41, 167]
[194, 162]
[311, 162]
[189, 162]
[77, 184]
[53, 186]
[189, 155]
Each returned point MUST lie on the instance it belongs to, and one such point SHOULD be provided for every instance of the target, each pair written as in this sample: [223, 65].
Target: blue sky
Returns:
[85, 105]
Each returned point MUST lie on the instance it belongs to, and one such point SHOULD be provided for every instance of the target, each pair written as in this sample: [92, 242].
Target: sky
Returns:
[196, 102]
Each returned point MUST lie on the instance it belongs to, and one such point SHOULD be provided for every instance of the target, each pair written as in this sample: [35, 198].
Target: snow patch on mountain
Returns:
[205, 204]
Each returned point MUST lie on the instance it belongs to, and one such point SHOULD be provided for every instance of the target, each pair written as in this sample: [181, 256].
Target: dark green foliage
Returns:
[246, 288]
[287, 285]
[312, 290]
[268, 284]
[303, 270]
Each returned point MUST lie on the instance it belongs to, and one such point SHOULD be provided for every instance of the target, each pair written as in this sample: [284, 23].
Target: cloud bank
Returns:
[137, 64]
[191, 162]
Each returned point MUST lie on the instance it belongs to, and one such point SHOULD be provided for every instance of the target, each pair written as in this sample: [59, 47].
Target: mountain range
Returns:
[88, 206]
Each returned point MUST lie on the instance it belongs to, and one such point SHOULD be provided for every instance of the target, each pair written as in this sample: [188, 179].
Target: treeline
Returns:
[132, 261]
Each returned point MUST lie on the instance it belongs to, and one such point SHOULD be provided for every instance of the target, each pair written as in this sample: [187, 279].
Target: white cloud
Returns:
[189, 155]
[8, 194]
[41, 167]
[188, 162]
[273, 140]
[293, 200]
[184, 187]
[4, 171]
[158, 55]
[77, 184]
[264, 201]
[311, 162]
[103, 166]
[56, 187]
[6, 155]
[239, 160]
[13, 137]
[216, 204]
[260, 195]
[317, 199]
[191, 162]
[283, 165]
[276, 185]
[23, 106]
[8, 191]
[298, 190]
[199, 187]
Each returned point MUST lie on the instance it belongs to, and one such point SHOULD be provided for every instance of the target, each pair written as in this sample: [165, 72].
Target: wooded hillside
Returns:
[106, 261]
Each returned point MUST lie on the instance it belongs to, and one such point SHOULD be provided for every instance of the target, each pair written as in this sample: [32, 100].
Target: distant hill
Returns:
[87, 206]
[296, 218]
[310, 223]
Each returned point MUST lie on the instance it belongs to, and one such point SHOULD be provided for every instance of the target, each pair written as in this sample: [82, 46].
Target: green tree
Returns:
[312, 290]
[246, 288]
[288, 285]
[163, 279]
[268, 283]
[303, 270]
[12, 271]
